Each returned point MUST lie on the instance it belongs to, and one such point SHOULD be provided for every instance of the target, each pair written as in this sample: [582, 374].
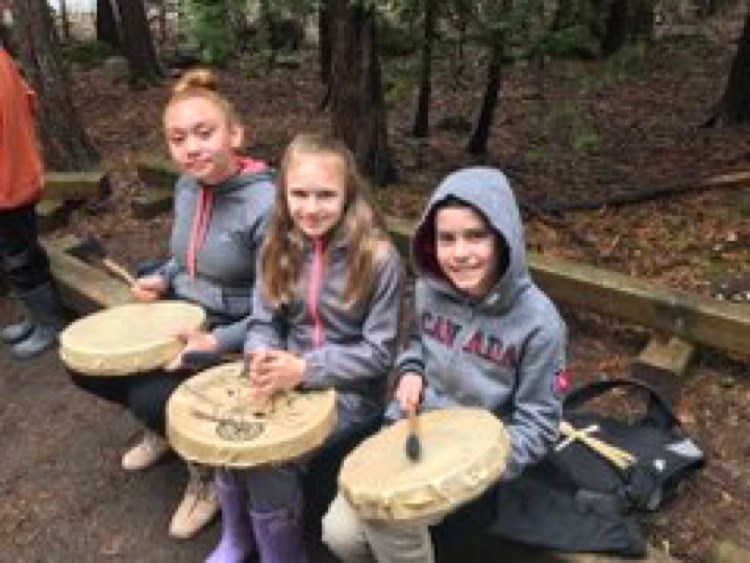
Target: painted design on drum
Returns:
[246, 422]
[233, 429]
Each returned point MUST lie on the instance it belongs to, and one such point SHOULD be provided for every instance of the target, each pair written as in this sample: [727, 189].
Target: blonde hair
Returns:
[202, 83]
[360, 228]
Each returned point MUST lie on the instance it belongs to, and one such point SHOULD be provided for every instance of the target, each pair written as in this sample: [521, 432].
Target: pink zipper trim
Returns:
[202, 216]
[201, 219]
[313, 292]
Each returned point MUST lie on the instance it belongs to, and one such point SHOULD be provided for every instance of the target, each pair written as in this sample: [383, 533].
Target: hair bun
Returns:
[196, 78]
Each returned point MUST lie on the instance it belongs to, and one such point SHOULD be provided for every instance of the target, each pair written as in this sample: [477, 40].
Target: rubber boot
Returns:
[13, 333]
[280, 535]
[237, 538]
[16, 332]
[48, 318]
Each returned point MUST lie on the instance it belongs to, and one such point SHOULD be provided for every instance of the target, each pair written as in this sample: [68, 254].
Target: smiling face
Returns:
[467, 250]
[202, 140]
[316, 192]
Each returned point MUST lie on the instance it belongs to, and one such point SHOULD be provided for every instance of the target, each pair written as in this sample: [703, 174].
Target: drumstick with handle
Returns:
[91, 248]
[413, 445]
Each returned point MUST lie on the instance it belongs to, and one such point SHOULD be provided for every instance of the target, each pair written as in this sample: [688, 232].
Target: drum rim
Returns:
[88, 360]
[400, 504]
[186, 443]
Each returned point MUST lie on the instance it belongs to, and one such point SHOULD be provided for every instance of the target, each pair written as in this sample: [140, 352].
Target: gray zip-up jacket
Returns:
[505, 353]
[234, 214]
[351, 349]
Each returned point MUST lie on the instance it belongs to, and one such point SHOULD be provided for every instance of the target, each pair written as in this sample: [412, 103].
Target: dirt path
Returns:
[63, 496]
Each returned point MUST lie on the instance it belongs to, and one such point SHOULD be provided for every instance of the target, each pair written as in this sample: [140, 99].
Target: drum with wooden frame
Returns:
[213, 419]
[128, 339]
[463, 452]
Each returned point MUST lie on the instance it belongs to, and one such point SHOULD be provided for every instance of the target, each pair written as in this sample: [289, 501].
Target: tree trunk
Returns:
[65, 21]
[6, 38]
[163, 21]
[64, 141]
[734, 105]
[358, 113]
[627, 21]
[481, 133]
[422, 117]
[138, 44]
[107, 28]
[325, 40]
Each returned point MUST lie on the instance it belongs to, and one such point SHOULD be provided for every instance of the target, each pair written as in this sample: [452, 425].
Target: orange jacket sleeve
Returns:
[21, 171]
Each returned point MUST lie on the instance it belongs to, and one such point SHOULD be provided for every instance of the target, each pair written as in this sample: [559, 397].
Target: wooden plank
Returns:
[160, 176]
[84, 288]
[62, 186]
[692, 317]
[732, 180]
[668, 354]
[52, 214]
[663, 363]
[156, 172]
[727, 552]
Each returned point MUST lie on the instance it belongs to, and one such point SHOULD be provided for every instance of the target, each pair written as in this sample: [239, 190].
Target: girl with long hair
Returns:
[325, 315]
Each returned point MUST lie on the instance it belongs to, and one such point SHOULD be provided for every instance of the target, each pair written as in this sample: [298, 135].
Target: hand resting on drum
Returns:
[194, 340]
[149, 288]
[272, 371]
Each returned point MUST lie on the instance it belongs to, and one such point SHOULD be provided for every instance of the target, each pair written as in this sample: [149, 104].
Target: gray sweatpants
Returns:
[354, 540]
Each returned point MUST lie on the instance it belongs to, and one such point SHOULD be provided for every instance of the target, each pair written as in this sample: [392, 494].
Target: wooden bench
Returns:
[84, 288]
[159, 176]
[62, 190]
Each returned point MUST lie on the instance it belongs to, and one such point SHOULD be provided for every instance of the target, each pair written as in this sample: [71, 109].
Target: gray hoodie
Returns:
[348, 348]
[505, 353]
[225, 256]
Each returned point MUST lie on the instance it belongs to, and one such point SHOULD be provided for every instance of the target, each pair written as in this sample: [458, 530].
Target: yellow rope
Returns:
[613, 454]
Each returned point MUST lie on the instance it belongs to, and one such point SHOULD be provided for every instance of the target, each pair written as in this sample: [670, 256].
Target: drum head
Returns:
[464, 451]
[212, 419]
[128, 339]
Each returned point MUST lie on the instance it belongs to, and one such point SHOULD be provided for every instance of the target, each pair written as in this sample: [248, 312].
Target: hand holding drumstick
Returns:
[148, 288]
[409, 395]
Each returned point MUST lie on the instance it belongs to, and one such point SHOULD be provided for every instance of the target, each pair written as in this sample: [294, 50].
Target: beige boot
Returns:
[199, 505]
[145, 453]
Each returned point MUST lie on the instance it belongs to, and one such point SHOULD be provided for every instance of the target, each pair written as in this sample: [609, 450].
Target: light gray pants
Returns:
[355, 540]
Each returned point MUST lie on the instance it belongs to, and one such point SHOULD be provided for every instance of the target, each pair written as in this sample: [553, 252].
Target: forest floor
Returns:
[567, 133]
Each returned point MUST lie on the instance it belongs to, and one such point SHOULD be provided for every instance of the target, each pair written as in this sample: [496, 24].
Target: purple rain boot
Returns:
[280, 535]
[237, 542]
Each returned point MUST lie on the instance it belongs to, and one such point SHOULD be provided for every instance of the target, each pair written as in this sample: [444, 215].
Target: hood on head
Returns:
[486, 190]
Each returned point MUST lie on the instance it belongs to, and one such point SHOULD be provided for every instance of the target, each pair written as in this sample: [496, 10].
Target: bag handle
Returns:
[658, 412]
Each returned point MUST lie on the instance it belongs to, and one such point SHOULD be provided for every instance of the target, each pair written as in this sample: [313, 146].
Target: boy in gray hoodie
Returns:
[485, 336]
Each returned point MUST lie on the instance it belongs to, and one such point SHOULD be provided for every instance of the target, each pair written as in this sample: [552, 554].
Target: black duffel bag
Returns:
[575, 500]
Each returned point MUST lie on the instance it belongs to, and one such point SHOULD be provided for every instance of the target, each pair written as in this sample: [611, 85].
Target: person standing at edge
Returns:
[24, 262]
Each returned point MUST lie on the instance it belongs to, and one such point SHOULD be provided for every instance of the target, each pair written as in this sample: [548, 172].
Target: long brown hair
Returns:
[201, 83]
[360, 228]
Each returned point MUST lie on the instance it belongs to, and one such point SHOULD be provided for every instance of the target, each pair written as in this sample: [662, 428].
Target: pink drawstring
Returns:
[200, 227]
[313, 291]
[202, 216]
